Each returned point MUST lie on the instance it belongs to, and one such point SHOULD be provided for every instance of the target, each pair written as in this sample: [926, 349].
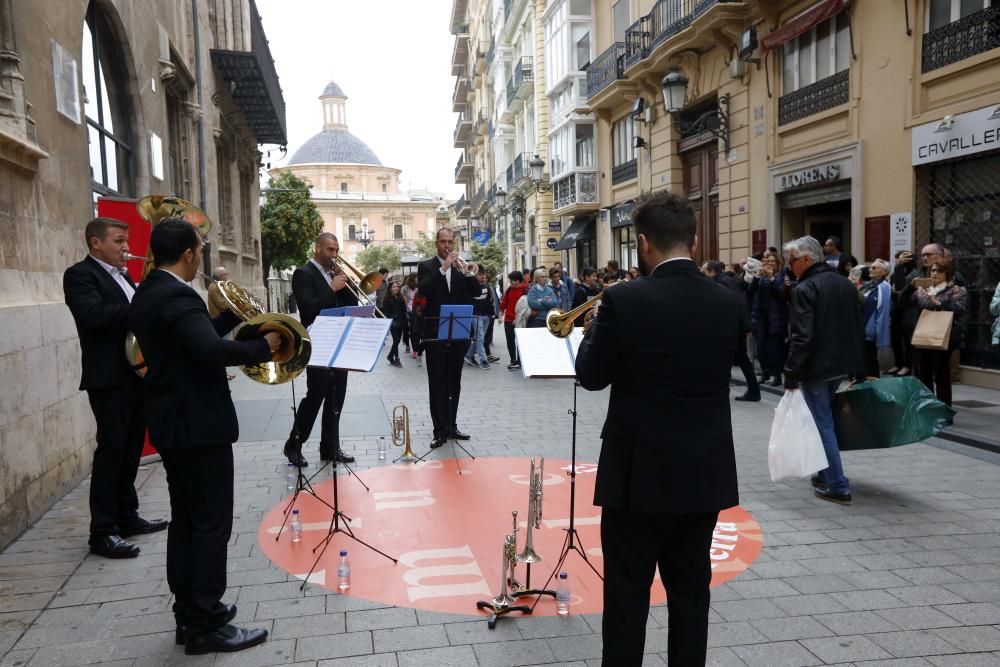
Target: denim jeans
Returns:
[820, 397]
[480, 324]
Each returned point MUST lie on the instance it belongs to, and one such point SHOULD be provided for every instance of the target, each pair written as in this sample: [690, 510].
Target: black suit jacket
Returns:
[434, 287]
[100, 310]
[186, 389]
[313, 294]
[665, 344]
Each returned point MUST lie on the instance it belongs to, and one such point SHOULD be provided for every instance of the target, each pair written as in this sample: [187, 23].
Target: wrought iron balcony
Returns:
[961, 39]
[491, 52]
[464, 169]
[516, 170]
[459, 97]
[517, 231]
[637, 41]
[578, 188]
[462, 207]
[606, 69]
[463, 127]
[460, 54]
[520, 83]
[669, 17]
[479, 200]
[253, 84]
[824, 94]
[624, 171]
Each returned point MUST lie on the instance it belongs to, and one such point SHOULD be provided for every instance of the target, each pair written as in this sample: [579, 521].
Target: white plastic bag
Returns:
[795, 449]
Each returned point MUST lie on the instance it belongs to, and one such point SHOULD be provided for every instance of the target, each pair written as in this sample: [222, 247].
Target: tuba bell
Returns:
[401, 433]
[535, 493]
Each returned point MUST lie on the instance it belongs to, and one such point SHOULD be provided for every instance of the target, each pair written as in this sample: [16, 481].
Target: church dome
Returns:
[333, 90]
[335, 146]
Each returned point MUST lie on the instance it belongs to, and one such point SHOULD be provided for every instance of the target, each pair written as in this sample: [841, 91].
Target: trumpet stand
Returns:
[572, 541]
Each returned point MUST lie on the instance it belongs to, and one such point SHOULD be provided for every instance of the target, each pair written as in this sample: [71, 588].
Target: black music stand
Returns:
[456, 327]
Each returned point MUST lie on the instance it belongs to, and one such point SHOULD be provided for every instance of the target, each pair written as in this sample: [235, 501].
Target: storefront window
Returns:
[627, 257]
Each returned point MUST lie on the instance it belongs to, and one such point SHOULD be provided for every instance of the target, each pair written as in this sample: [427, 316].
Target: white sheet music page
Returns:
[363, 344]
[575, 339]
[543, 355]
[325, 334]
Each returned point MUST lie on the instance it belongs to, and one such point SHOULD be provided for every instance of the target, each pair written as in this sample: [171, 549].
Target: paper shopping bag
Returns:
[933, 330]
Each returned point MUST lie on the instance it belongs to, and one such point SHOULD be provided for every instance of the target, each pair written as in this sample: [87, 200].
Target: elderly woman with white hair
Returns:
[877, 295]
[541, 299]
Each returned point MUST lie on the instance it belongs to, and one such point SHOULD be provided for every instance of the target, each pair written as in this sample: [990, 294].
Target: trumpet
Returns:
[468, 269]
[535, 493]
[362, 285]
[401, 433]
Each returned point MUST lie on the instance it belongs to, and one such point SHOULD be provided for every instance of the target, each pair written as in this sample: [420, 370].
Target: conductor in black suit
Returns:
[98, 292]
[193, 422]
[665, 343]
[316, 286]
[440, 282]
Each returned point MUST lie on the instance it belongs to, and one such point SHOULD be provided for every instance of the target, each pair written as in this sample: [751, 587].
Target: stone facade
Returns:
[47, 192]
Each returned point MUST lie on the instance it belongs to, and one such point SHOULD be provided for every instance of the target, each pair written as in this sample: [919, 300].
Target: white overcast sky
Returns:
[392, 58]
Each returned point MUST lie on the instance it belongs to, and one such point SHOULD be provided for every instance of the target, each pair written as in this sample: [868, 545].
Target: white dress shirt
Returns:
[446, 273]
[326, 272]
[119, 277]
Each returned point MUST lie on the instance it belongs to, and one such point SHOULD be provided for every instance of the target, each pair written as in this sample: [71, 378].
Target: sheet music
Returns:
[325, 334]
[544, 355]
[574, 341]
[362, 345]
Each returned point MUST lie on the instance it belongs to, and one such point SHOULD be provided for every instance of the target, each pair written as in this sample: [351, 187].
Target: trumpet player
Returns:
[318, 285]
[193, 422]
[99, 292]
[442, 282]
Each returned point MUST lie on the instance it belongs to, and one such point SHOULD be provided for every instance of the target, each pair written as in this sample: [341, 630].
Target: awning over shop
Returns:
[802, 23]
[581, 230]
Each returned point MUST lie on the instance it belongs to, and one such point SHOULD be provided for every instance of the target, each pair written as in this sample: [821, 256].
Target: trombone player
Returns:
[193, 422]
[99, 292]
[318, 285]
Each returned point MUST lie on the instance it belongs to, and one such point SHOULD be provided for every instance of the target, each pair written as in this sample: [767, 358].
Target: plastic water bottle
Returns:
[343, 572]
[291, 478]
[296, 526]
[381, 448]
[562, 595]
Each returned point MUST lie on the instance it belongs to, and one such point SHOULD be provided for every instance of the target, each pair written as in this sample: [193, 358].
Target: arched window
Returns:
[108, 133]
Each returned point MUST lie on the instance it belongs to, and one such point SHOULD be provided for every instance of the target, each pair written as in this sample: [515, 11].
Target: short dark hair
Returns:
[666, 220]
[613, 264]
[844, 261]
[170, 239]
[945, 265]
[587, 272]
[837, 243]
[384, 271]
[98, 228]
[715, 266]
[515, 277]
[555, 270]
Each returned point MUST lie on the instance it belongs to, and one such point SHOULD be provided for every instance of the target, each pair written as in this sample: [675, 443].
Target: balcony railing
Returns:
[606, 69]
[516, 170]
[624, 171]
[491, 51]
[961, 39]
[462, 129]
[520, 78]
[464, 169]
[517, 231]
[460, 94]
[824, 94]
[479, 200]
[462, 207]
[460, 53]
[669, 17]
[578, 188]
[637, 41]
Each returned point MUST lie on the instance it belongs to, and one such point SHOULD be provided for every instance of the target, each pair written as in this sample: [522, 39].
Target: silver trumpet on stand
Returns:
[502, 604]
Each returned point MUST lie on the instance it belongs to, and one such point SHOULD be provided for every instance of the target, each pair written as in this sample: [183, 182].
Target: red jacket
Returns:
[509, 301]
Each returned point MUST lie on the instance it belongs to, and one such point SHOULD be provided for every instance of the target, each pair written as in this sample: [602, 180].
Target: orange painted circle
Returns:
[448, 530]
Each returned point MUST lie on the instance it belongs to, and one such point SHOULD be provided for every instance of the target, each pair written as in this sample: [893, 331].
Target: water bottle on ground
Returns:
[296, 526]
[290, 478]
[381, 448]
[343, 572]
[562, 595]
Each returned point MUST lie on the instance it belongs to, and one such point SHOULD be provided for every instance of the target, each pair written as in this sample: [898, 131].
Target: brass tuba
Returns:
[560, 323]
[401, 433]
[154, 208]
[536, 478]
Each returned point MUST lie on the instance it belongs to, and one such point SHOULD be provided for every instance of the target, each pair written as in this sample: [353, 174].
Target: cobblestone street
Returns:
[906, 576]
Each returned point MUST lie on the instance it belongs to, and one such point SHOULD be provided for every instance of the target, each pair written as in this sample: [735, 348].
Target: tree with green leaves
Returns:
[425, 246]
[491, 256]
[289, 224]
[376, 257]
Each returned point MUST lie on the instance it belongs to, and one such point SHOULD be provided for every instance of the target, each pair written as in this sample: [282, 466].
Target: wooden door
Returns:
[701, 186]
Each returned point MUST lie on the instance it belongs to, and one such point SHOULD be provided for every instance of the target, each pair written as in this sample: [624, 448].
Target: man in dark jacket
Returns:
[825, 346]
[716, 270]
[667, 465]
[193, 422]
[98, 292]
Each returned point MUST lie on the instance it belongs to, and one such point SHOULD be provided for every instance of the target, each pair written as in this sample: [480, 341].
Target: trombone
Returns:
[560, 323]
[362, 284]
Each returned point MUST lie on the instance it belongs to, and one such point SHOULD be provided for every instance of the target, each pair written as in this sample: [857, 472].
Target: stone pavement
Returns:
[906, 576]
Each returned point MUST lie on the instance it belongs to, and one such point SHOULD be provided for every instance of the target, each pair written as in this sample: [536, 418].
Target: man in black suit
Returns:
[98, 292]
[440, 282]
[665, 343]
[193, 422]
[317, 286]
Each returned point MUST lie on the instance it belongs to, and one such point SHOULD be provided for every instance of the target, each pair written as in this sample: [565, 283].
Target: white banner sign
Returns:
[900, 235]
[955, 136]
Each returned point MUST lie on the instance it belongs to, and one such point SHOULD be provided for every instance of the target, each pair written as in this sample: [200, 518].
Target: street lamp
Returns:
[675, 88]
[537, 170]
[366, 237]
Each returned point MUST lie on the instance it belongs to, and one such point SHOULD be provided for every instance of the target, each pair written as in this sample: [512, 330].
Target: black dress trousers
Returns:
[444, 374]
[634, 545]
[326, 387]
[121, 431]
[200, 483]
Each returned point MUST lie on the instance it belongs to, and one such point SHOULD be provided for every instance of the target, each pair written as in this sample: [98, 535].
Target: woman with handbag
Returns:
[934, 365]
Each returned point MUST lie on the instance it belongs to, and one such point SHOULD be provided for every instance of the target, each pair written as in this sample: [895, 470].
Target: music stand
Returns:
[454, 325]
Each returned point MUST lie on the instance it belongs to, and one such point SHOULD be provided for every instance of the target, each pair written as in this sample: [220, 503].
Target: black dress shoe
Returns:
[833, 496]
[341, 457]
[294, 455]
[747, 396]
[818, 482]
[226, 639]
[438, 441]
[458, 435]
[143, 527]
[180, 636]
[112, 546]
